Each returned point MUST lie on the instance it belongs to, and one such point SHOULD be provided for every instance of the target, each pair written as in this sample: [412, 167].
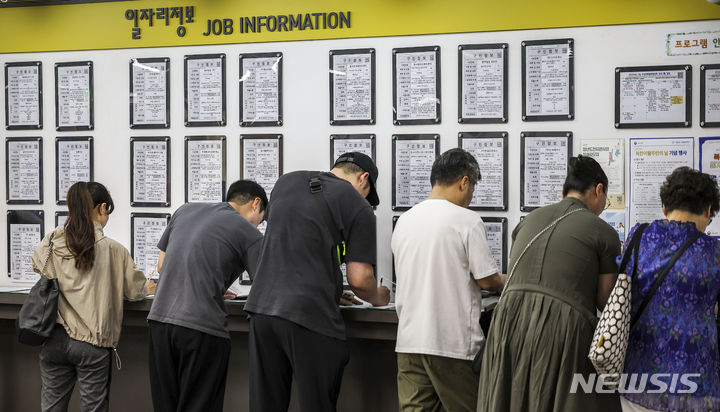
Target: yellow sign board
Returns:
[161, 23]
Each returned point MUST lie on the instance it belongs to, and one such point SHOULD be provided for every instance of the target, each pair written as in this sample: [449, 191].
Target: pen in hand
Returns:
[381, 282]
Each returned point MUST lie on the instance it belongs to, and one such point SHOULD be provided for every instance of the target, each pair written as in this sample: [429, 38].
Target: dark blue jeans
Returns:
[63, 361]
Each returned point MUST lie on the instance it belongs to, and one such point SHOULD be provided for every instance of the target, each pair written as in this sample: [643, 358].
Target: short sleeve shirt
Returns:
[297, 278]
[566, 262]
[440, 250]
[207, 246]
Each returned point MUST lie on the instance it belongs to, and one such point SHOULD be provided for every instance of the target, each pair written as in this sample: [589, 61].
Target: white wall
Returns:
[598, 50]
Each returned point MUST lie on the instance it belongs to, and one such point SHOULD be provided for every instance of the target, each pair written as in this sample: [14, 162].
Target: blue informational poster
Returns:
[651, 161]
[710, 164]
[616, 219]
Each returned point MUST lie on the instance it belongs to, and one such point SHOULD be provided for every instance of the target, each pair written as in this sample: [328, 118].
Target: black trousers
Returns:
[188, 369]
[280, 349]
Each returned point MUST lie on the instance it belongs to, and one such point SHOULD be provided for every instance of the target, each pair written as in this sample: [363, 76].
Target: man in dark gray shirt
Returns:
[204, 248]
[296, 328]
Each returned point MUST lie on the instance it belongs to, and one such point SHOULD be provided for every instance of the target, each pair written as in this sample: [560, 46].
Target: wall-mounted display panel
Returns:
[490, 149]
[60, 218]
[146, 231]
[23, 96]
[23, 170]
[205, 168]
[73, 163]
[261, 159]
[74, 96]
[482, 83]
[344, 143]
[261, 89]
[412, 158]
[544, 159]
[710, 164]
[416, 85]
[653, 96]
[150, 171]
[496, 229]
[548, 79]
[652, 159]
[352, 87]
[25, 230]
[150, 93]
[205, 99]
[710, 95]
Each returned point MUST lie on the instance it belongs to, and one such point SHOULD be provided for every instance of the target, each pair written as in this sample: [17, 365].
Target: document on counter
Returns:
[483, 85]
[14, 289]
[262, 159]
[23, 160]
[74, 95]
[491, 152]
[651, 161]
[344, 143]
[204, 168]
[367, 305]
[23, 91]
[548, 78]
[150, 171]
[261, 89]
[74, 160]
[205, 90]
[610, 154]
[147, 229]
[545, 157]
[652, 95]
[417, 85]
[413, 157]
[150, 93]
[352, 86]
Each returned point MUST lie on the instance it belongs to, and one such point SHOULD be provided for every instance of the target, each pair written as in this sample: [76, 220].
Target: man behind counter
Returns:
[443, 260]
[203, 250]
[295, 325]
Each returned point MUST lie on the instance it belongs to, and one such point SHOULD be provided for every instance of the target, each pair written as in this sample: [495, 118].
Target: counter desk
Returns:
[369, 383]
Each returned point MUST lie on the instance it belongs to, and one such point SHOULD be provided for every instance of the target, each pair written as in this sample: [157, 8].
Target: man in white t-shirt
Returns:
[442, 261]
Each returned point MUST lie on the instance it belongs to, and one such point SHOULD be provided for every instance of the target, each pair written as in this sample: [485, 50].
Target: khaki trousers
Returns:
[429, 383]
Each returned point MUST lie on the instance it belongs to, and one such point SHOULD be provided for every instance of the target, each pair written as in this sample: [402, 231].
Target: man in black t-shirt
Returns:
[295, 325]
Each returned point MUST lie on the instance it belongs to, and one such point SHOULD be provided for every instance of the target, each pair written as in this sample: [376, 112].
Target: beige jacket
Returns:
[90, 304]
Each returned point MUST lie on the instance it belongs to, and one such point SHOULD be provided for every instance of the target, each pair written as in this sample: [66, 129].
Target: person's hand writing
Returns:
[151, 286]
[348, 299]
[383, 296]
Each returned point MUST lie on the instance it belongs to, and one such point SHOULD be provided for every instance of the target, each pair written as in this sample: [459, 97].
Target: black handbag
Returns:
[38, 313]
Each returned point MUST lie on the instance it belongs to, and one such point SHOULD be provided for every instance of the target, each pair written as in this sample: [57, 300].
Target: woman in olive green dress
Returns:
[543, 325]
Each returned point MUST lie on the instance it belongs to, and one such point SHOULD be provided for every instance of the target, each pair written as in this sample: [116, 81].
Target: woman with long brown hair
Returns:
[94, 274]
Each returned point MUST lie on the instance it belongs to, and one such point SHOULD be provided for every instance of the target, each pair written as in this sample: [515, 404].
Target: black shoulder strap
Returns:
[316, 188]
[634, 245]
[662, 275]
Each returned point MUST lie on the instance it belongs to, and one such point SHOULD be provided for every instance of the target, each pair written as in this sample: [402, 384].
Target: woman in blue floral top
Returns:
[677, 332]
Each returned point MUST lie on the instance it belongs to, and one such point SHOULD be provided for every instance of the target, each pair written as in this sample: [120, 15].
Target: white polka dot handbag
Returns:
[610, 340]
[609, 344]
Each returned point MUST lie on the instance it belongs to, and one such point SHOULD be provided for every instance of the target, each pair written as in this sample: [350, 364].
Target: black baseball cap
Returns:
[366, 164]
